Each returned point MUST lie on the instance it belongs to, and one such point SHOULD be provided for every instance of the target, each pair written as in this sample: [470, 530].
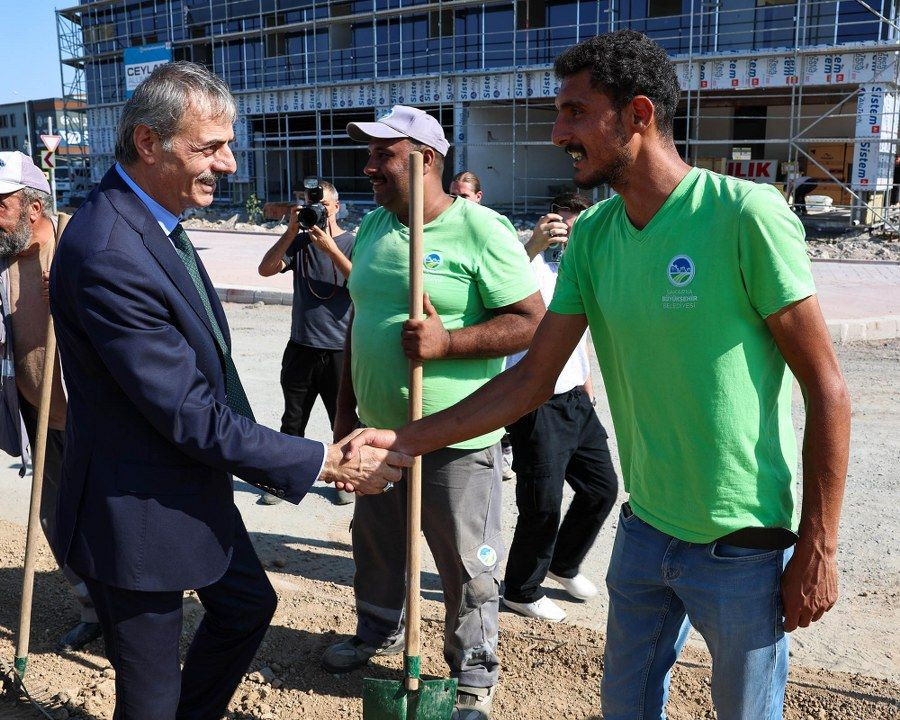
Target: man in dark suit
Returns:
[159, 421]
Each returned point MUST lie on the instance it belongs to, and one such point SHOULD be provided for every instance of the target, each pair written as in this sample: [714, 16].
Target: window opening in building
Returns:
[750, 124]
[340, 34]
[663, 8]
[440, 24]
[531, 14]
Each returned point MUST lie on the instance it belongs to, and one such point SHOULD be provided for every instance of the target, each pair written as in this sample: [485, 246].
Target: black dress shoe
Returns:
[79, 636]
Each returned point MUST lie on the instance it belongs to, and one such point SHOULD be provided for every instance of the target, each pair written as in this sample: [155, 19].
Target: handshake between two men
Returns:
[365, 469]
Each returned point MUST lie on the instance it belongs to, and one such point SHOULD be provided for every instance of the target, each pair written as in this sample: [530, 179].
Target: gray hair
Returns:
[161, 101]
[330, 189]
[30, 194]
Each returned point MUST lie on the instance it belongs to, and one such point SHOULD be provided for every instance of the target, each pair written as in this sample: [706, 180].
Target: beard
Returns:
[613, 173]
[14, 241]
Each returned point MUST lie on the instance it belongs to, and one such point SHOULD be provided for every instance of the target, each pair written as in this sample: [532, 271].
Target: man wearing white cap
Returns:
[26, 249]
[481, 304]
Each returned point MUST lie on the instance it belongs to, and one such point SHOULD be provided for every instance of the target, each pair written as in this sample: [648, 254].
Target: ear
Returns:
[643, 112]
[428, 156]
[479, 195]
[147, 143]
[35, 210]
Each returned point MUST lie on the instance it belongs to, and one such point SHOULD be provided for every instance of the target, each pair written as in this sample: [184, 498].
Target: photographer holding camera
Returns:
[560, 441]
[318, 251]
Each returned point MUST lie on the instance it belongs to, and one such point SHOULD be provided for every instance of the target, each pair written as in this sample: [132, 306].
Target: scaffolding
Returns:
[302, 69]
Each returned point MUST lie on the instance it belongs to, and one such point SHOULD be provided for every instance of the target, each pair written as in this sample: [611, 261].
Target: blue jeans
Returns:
[658, 587]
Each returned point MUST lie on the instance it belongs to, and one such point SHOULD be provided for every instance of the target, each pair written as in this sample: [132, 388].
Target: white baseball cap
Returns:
[402, 121]
[17, 171]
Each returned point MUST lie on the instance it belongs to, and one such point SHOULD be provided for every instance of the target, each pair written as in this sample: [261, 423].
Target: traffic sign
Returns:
[51, 142]
[47, 160]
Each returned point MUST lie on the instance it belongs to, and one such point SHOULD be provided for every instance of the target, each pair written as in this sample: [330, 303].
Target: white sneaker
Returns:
[542, 609]
[579, 587]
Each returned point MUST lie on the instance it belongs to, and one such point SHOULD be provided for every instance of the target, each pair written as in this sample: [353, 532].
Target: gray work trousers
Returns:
[461, 509]
[53, 458]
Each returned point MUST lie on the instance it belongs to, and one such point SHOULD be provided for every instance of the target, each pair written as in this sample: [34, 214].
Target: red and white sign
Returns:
[757, 170]
[47, 161]
[51, 142]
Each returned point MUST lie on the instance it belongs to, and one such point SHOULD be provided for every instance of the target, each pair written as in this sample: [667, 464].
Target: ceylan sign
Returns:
[141, 61]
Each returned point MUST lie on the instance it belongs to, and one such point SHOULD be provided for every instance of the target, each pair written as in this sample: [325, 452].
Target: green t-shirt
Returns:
[699, 393]
[473, 264]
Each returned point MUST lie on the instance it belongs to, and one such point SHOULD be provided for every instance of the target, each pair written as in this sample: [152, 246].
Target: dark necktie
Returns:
[235, 397]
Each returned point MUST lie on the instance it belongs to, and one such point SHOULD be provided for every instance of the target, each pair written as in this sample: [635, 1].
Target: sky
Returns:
[29, 53]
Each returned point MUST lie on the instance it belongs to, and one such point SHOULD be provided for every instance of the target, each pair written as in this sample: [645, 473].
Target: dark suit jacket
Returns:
[146, 499]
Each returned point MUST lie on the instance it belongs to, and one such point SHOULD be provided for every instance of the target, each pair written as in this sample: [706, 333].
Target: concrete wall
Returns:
[532, 169]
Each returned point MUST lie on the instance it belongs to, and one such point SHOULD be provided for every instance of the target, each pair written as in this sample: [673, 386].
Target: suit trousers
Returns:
[53, 458]
[308, 373]
[461, 505]
[142, 631]
[561, 441]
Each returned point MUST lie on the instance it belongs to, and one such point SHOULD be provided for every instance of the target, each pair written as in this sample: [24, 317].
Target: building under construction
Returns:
[771, 88]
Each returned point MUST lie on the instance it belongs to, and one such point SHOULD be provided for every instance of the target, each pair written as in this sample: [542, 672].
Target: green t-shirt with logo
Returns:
[699, 392]
[474, 263]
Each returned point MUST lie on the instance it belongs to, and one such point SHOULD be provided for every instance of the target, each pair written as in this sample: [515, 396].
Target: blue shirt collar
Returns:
[167, 221]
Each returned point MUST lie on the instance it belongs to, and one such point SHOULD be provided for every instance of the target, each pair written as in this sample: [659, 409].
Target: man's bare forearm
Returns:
[273, 260]
[826, 450]
[346, 400]
[499, 402]
[502, 335]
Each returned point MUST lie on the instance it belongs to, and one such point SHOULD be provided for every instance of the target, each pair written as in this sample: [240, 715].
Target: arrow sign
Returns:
[47, 161]
[51, 142]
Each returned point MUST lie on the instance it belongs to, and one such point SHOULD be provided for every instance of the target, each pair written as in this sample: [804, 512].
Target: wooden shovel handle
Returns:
[414, 482]
[39, 455]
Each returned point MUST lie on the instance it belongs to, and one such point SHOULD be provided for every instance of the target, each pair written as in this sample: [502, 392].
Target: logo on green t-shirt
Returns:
[681, 270]
[432, 260]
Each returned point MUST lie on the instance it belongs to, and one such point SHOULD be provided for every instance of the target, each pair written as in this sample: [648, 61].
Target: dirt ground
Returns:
[549, 671]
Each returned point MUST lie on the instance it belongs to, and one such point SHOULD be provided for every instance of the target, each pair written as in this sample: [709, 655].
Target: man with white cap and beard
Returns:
[481, 303]
[26, 250]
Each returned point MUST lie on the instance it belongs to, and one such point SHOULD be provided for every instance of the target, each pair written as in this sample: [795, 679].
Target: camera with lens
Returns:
[313, 213]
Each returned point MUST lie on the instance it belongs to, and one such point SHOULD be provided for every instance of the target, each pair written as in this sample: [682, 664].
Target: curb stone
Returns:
[885, 327]
[248, 294]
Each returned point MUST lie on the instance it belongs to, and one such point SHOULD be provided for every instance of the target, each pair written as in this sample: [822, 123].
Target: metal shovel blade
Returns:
[390, 700]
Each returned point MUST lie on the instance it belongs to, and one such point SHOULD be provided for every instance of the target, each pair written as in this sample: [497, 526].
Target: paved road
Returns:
[847, 291]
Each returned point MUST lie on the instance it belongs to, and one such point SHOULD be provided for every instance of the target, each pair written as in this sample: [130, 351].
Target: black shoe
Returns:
[79, 636]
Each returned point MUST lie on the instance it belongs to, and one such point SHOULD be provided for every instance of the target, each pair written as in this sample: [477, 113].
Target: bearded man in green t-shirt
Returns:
[701, 304]
[481, 304]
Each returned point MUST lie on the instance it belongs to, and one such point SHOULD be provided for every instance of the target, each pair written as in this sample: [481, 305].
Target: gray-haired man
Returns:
[158, 418]
[26, 251]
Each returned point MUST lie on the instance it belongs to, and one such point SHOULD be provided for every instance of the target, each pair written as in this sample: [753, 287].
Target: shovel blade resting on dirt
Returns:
[390, 700]
[412, 699]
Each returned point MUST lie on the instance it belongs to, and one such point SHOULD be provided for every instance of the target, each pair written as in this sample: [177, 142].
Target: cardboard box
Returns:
[835, 192]
[834, 157]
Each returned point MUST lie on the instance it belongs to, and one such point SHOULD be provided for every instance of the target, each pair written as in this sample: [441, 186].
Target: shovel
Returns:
[37, 484]
[414, 698]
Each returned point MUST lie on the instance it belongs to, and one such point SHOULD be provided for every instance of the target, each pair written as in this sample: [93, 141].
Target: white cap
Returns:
[18, 171]
[402, 121]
